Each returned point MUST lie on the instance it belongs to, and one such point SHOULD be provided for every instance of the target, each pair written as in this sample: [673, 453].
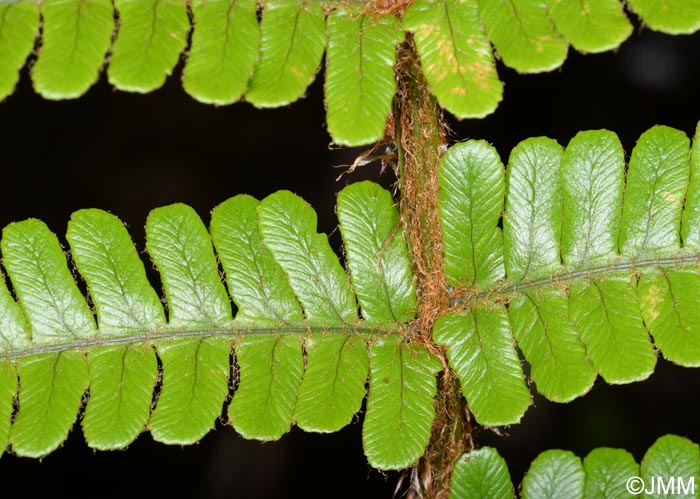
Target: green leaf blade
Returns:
[224, 50]
[181, 248]
[333, 385]
[122, 379]
[288, 226]
[668, 16]
[195, 385]
[8, 391]
[607, 470]
[690, 222]
[533, 214]
[455, 56]
[400, 409]
[19, 25]
[523, 35]
[480, 349]
[75, 38]
[47, 293]
[657, 178]
[592, 173]
[270, 370]
[544, 331]
[671, 457]
[376, 253]
[258, 285]
[669, 305]
[152, 35]
[607, 316]
[472, 187]
[481, 473]
[105, 256]
[14, 330]
[554, 474]
[51, 391]
[360, 81]
[591, 27]
[293, 38]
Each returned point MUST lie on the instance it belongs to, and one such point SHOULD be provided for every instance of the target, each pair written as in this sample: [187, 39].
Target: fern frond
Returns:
[232, 57]
[301, 352]
[605, 473]
[594, 260]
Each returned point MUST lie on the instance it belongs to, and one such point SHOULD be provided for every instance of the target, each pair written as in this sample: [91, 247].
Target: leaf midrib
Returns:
[508, 286]
[368, 331]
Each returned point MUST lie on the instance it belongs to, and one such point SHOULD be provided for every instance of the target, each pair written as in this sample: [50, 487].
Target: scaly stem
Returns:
[420, 138]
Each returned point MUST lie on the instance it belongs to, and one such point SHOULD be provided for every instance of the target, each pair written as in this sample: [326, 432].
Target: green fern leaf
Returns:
[284, 53]
[194, 388]
[288, 228]
[472, 185]
[591, 26]
[480, 348]
[290, 366]
[532, 219]
[256, 282]
[180, 246]
[19, 25]
[52, 383]
[152, 35]
[455, 56]
[195, 371]
[124, 301]
[271, 370]
[360, 81]
[292, 44]
[569, 277]
[592, 172]
[52, 391]
[481, 473]
[377, 255]
[657, 179]
[8, 391]
[224, 50]
[606, 470]
[587, 283]
[659, 168]
[671, 456]
[75, 39]
[554, 474]
[669, 16]
[523, 34]
[672, 463]
[531, 232]
[122, 377]
[400, 407]
[326, 402]
[478, 340]
[690, 221]
[47, 293]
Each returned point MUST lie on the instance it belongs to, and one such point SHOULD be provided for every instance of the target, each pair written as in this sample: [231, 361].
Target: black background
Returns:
[129, 153]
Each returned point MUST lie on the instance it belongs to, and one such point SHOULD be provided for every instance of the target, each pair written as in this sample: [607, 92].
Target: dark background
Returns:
[130, 153]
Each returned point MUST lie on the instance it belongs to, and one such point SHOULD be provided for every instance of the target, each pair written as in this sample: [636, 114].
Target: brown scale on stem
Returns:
[420, 136]
[395, 7]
